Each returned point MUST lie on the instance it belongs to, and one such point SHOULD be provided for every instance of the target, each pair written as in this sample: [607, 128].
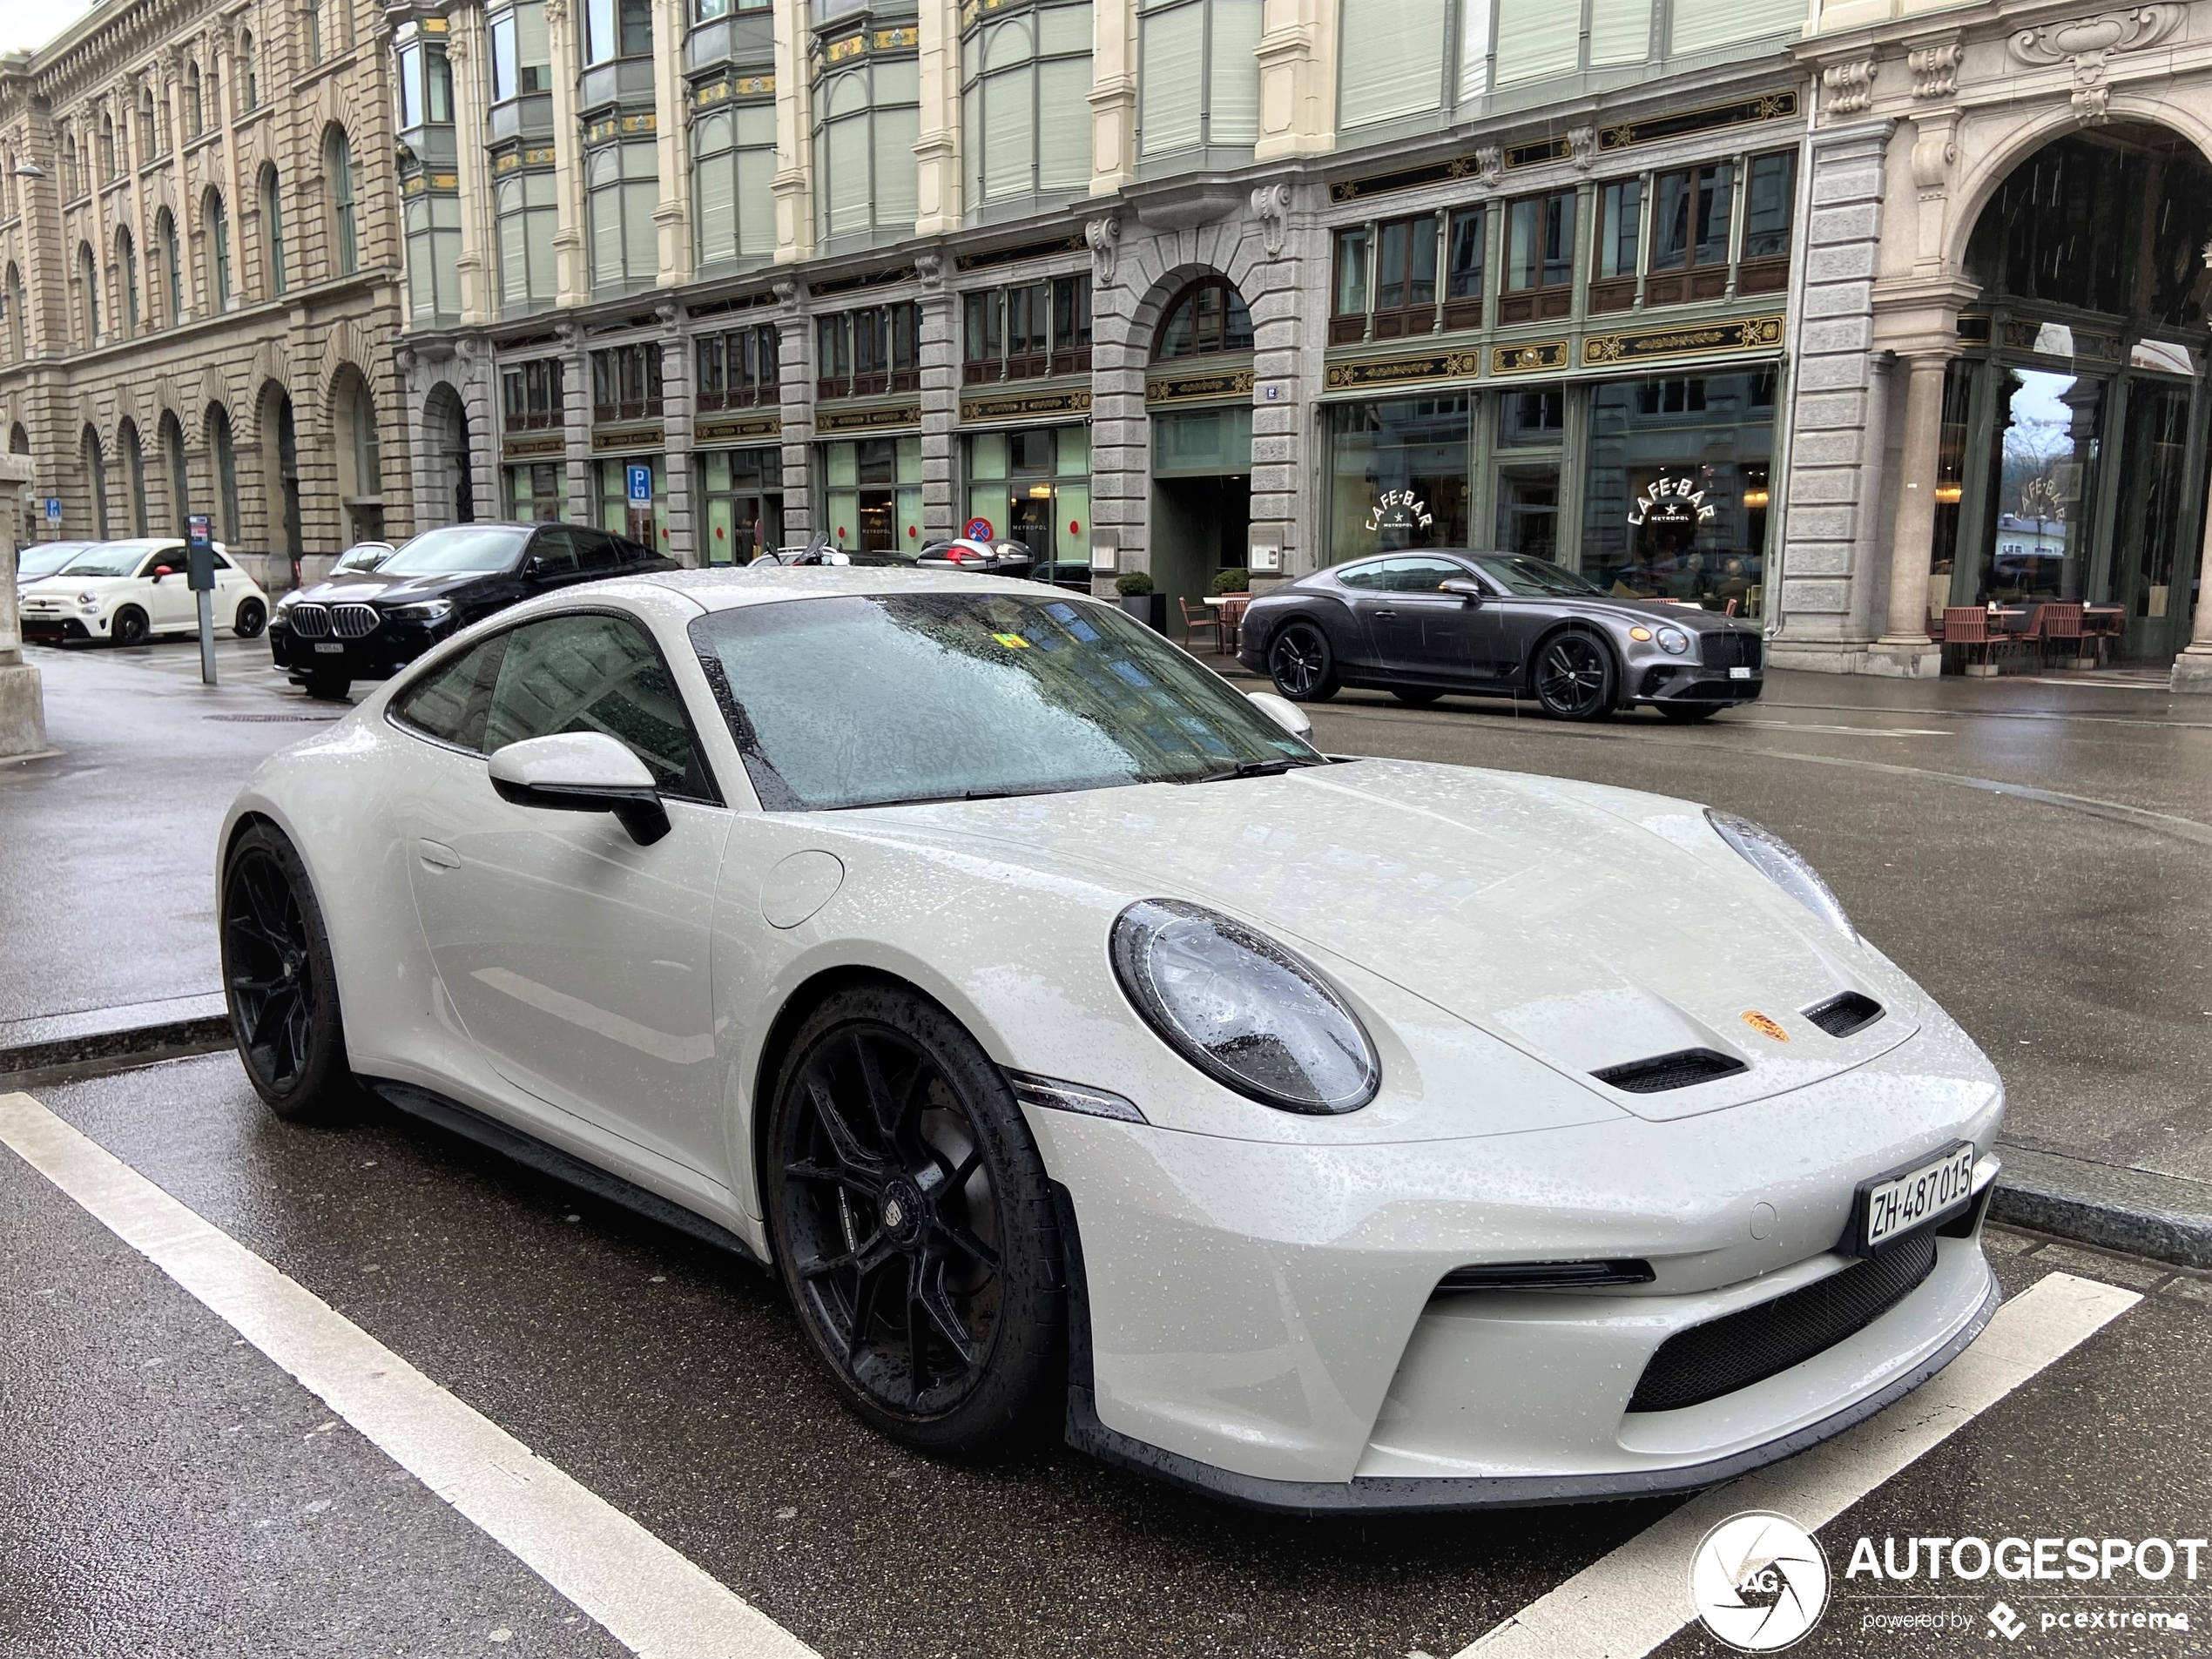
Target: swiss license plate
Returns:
[1739, 673]
[331, 646]
[1889, 1205]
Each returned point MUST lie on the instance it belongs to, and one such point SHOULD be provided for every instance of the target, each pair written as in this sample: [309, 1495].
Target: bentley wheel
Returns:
[1302, 665]
[1415, 696]
[1574, 677]
[280, 979]
[251, 620]
[1689, 713]
[129, 627]
[913, 1223]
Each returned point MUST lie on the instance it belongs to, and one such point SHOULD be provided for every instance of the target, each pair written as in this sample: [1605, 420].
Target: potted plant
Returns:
[1138, 600]
[1238, 581]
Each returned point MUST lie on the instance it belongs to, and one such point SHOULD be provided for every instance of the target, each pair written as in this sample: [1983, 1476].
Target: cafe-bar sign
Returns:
[1399, 509]
[1671, 501]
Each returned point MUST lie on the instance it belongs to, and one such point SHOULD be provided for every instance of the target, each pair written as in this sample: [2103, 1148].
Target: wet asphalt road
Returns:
[165, 1489]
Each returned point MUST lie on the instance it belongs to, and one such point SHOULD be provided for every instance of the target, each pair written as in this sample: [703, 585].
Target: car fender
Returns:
[1578, 625]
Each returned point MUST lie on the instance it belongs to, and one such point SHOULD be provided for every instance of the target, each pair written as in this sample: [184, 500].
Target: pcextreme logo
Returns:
[1758, 1582]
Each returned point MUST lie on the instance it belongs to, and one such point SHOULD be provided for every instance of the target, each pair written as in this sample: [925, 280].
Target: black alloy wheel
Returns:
[1415, 696]
[1689, 713]
[1574, 677]
[1302, 665]
[913, 1222]
[280, 978]
[250, 619]
[129, 627]
[328, 687]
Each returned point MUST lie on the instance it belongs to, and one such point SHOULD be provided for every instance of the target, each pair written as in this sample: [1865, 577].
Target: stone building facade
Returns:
[2005, 334]
[1180, 286]
[199, 276]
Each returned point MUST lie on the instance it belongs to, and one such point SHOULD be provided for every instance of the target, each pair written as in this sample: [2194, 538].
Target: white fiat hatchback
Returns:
[126, 592]
[1077, 1042]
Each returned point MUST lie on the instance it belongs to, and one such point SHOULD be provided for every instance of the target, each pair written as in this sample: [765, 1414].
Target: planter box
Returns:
[1150, 609]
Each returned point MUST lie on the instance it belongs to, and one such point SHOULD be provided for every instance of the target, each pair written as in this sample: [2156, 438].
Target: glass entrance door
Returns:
[2151, 524]
[2050, 437]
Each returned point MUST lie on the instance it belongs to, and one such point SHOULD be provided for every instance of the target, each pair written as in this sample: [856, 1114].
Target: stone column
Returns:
[938, 347]
[672, 148]
[793, 183]
[1113, 96]
[2192, 668]
[937, 152]
[1905, 639]
[571, 277]
[479, 274]
[22, 716]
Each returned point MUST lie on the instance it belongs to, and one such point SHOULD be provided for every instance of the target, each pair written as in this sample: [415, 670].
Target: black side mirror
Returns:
[1465, 587]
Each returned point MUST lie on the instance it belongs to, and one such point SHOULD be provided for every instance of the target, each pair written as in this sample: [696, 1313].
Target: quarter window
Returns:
[450, 703]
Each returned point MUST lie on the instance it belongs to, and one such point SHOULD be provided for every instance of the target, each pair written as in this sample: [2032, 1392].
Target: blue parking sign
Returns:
[641, 486]
[53, 510]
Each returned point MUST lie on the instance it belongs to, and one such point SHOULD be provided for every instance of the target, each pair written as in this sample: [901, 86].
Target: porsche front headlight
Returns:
[1783, 865]
[1242, 1009]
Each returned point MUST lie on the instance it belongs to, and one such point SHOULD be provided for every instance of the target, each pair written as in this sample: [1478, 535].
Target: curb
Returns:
[2136, 1230]
[137, 1045]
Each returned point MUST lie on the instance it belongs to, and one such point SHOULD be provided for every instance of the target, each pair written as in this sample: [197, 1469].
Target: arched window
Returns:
[338, 165]
[1209, 316]
[110, 165]
[733, 154]
[18, 343]
[620, 189]
[217, 423]
[165, 231]
[345, 20]
[360, 468]
[310, 26]
[149, 144]
[134, 466]
[218, 250]
[18, 440]
[195, 112]
[127, 259]
[248, 78]
[96, 475]
[88, 293]
[1025, 79]
[272, 227]
[66, 144]
[173, 456]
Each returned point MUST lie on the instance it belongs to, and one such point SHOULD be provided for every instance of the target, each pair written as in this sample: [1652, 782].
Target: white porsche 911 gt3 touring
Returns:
[1338, 1133]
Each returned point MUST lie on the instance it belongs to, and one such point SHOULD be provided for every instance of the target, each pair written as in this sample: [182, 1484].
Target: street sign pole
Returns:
[200, 564]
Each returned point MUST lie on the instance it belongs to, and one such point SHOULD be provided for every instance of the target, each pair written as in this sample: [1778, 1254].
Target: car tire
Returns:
[250, 619]
[1573, 676]
[1415, 696]
[1689, 713]
[328, 687]
[280, 980]
[1301, 663]
[129, 627]
[908, 1208]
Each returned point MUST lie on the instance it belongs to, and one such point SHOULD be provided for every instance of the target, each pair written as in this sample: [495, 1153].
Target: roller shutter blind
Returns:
[1063, 124]
[1392, 60]
[1008, 109]
[898, 184]
[1701, 25]
[1233, 101]
[714, 203]
[1536, 38]
[1172, 79]
[1620, 31]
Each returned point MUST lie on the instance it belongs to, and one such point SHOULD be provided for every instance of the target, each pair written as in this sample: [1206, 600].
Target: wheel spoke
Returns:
[970, 1245]
[847, 1146]
[918, 1324]
[872, 1252]
[889, 1116]
[931, 1298]
[856, 1180]
[867, 1292]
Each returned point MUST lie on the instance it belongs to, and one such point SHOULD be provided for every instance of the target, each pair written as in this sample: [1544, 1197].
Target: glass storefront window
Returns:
[873, 494]
[1032, 486]
[537, 490]
[1398, 476]
[1676, 490]
[741, 493]
[611, 491]
[2052, 435]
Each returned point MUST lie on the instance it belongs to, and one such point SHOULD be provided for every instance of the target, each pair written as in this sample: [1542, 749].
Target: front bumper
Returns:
[51, 625]
[1694, 683]
[374, 657]
[1263, 1322]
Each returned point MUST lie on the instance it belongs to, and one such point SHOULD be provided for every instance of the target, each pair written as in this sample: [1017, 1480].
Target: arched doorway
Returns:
[217, 423]
[96, 479]
[281, 476]
[446, 441]
[173, 452]
[1200, 392]
[360, 465]
[2072, 465]
[134, 468]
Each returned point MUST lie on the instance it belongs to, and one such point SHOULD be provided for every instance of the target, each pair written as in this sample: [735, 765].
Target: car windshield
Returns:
[47, 558]
[114, 558]
[363, 556]
[1533, 578]
[458, 549]
[864, 700]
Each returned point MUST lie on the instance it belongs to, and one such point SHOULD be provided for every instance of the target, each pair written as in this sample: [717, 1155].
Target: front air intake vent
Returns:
[1841, 1016]
[1545, 1275]
[1755, 1343]
[1665, 1071]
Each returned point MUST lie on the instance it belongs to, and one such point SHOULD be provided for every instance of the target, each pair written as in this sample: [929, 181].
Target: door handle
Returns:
[438, 855]
[1382, 613]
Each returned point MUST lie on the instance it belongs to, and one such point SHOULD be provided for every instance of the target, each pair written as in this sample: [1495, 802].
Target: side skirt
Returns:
[534, 1154]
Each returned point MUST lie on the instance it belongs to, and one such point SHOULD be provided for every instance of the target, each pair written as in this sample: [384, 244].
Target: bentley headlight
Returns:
[1673, 641]
[1783, 865]
[1242, 1008]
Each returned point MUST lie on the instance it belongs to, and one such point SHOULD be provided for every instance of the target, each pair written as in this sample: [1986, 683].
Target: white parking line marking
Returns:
[1625, 1604]
[649, 1598]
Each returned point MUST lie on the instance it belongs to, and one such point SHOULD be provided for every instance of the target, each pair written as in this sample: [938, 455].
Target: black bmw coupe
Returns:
[1420, 624]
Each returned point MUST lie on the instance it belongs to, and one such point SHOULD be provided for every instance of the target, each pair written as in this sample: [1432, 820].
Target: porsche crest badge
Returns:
[1765, 1027]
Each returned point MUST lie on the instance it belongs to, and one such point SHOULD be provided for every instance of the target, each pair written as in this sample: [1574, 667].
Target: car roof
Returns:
[728, 588]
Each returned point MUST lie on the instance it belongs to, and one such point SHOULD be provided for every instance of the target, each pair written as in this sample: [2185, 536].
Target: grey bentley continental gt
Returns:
[1418, 625]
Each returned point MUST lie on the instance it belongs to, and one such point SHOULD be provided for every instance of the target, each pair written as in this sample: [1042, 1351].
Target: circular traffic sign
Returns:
[977, 529]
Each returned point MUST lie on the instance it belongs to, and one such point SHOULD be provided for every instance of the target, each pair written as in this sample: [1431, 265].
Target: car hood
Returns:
[1588, 926]
[374, 587]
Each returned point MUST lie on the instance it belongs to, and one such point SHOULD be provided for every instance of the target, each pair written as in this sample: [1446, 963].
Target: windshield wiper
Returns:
[1270, 768]
[1065, 785]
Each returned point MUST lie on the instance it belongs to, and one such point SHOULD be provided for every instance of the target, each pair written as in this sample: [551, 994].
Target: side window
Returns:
[171, 557]
[595, 550]
[597, 673]
[452, 701]
[631, 552]
[1418, 576]
[1368, 579]
[553, 552]
[221, 563]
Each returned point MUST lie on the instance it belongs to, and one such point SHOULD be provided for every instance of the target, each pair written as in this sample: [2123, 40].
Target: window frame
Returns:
[1541, 300]
[634, 372]
[1190, 293]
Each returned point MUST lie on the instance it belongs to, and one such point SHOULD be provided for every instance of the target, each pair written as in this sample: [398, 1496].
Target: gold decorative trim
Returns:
[538, 448]
[1014, 408]
[1529, 359]
[839, 422]
[630, 437]
[1399, 371]
[1743, 334]
[1184, 389]
[737, 429]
